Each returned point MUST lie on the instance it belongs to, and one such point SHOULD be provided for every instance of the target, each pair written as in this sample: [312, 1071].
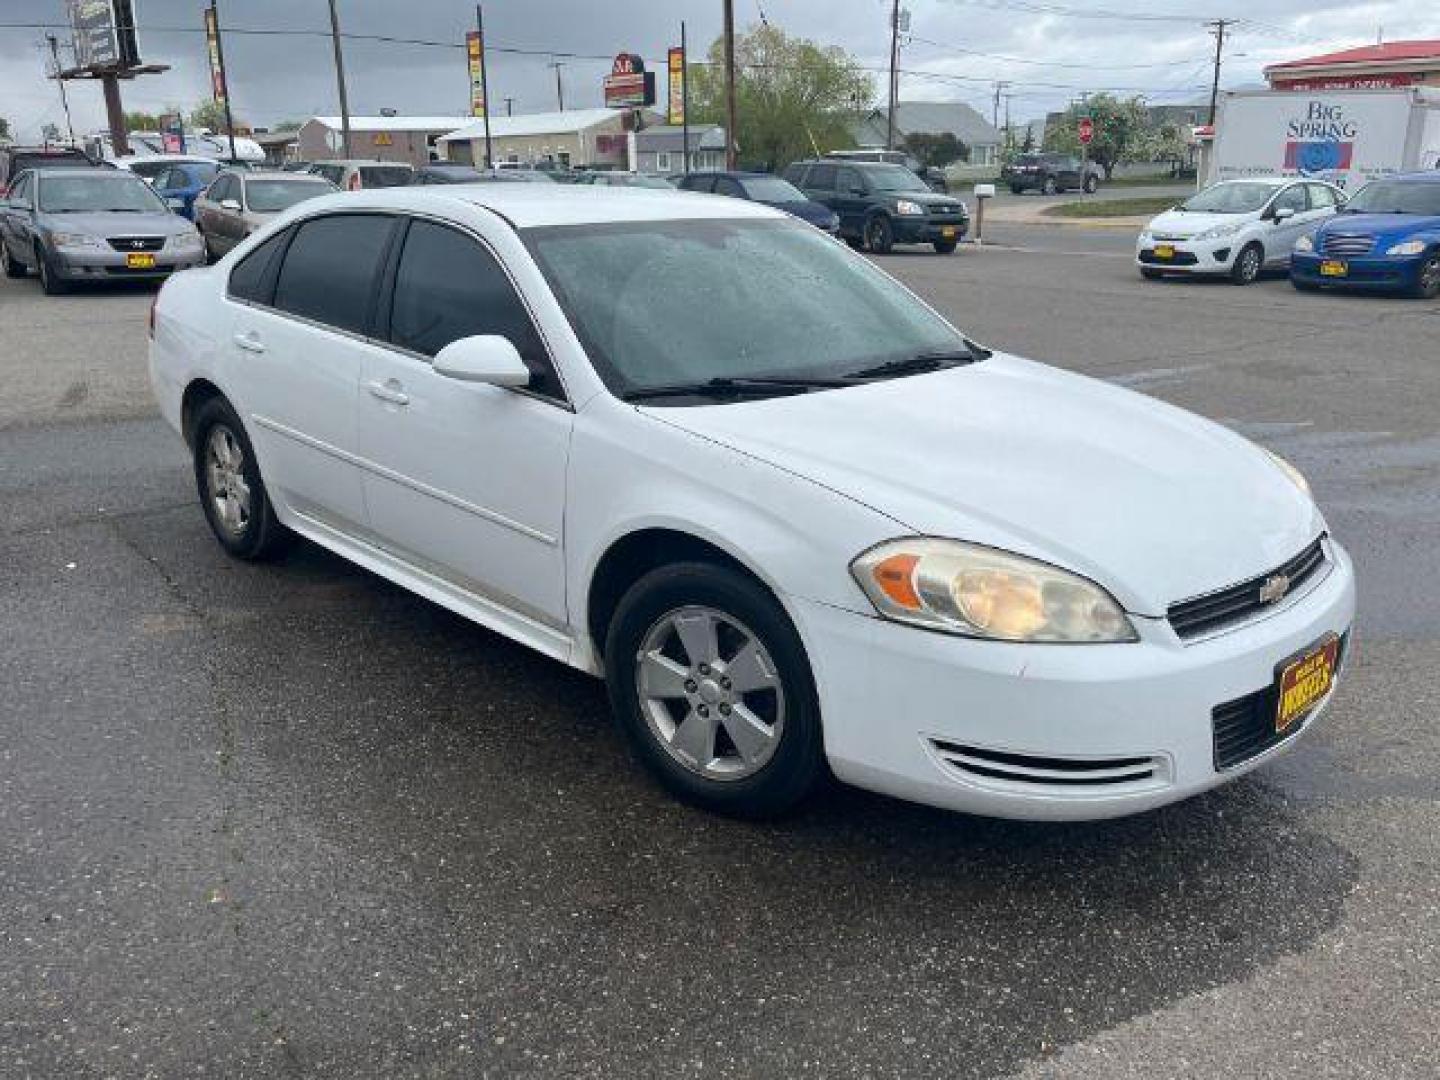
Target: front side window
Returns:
[772, 189]
[447, 286]
[822, 178]
[1396, 197]
[1293, 198]
[119, 194]
[1321, 197]
[683, 302]
[849, 181]
[895, 178]
[330, 269]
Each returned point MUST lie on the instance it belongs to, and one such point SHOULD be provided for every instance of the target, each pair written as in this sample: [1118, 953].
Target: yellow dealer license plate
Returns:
[1305, 680]
[140, 260]
[1164, 251]
[947, 232]
[1333, 268]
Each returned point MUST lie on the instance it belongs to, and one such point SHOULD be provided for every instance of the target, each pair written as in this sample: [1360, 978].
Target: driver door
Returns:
[1280, 241]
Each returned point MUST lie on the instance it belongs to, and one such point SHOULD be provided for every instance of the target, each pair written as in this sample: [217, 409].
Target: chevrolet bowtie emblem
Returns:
[1274, 589]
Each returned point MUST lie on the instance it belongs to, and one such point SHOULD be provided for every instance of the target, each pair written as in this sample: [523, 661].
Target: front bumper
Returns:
[99, 265]
[1385, 273]
[929, 230]
[1190, 256]
[895, 700]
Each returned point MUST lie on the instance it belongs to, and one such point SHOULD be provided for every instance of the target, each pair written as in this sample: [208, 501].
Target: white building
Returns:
[576, 137]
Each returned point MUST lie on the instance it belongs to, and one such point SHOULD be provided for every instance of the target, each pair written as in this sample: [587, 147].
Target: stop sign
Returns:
[1086, 130]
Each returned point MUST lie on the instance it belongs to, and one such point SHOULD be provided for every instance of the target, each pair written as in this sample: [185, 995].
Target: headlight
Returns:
[1305, 243]
[1296, 476]
[186, 241]
[1409, 247]
[1215, 232]
[908, 208]
[982, 592]
[1147, 237]
[76, 240]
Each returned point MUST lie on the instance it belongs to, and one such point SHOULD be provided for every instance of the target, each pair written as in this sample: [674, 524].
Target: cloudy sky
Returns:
[1046, 51]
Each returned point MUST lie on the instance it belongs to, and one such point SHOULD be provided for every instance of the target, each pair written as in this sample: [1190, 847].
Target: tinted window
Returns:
[847, 180]
[223, 188]
[329, 271]
[821, 178]
[726, 186]
[249, 281]
[448, 286]
[795, 174]
[380, 176]
[698, 183]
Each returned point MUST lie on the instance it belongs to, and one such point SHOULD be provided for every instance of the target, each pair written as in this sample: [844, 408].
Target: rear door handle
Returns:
[249, 342]
[388, 391]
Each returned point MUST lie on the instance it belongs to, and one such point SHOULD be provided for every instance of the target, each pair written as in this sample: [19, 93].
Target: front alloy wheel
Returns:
[880, 235]
[1248, 265]
[1427, 281]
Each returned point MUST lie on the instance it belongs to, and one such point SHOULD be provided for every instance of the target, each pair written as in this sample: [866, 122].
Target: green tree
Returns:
[1119, 130]
[937, 150]
[211, 114]
[1166, 144]
[4, 128]
[142, 121]
[793, 97]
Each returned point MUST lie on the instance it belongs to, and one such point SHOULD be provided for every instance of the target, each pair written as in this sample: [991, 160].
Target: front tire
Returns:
[711, 687]
[1248, 265]
[946, 247]
[232, 493]
[1304, 286]
[1427, 280]
[1151, 274]
[13, 267]
[880, 235]
[50, 284]
[1016, 189]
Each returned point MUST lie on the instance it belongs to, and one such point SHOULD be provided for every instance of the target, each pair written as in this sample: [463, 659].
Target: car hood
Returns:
[806, 210]
[160, 223]
[1181, 224]
[928, 199]
[1385, 227]
[1154, 503]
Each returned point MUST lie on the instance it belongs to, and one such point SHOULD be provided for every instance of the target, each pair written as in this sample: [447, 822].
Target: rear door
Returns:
[299, 341]
[15, 219]
[466, 480]
[852, 199]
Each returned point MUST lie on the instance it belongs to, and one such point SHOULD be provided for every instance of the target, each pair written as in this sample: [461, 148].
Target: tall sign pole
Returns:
[220, 85]
[731, 135]
[478, 56]
[684, 96]
[894, 80]
[340, 78]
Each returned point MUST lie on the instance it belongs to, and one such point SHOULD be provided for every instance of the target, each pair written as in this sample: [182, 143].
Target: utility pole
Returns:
[731, 135]
[484, 85]
[509, 106]
[64, 98]
[684, 96]
[1218, 29]
[340, 78]
[894, 77]
[995, 111]
[220, 57]
[559, 84]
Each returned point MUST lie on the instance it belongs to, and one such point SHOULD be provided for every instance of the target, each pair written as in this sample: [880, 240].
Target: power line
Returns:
[1035, 7]
[1055, 63]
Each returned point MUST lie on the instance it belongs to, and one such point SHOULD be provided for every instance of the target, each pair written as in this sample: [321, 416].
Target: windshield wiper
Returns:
[749, 385]
[922, 362]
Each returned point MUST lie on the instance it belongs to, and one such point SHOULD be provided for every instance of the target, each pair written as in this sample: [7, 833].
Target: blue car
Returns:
[767, 189]
[181, 182]
[1387, 239]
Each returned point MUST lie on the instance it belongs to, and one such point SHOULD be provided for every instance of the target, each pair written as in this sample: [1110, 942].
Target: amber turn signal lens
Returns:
[896, 579]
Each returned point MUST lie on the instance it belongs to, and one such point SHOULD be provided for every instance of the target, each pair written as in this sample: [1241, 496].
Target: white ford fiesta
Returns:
[795, 519]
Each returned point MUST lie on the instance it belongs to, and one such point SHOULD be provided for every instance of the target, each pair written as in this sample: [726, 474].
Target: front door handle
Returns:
[249, 342]
[388, 391]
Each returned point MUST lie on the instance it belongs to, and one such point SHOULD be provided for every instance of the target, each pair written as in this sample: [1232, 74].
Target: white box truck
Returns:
[1344, 136]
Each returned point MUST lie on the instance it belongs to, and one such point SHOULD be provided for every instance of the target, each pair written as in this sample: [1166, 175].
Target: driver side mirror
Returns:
[229, 204]
[483, 358]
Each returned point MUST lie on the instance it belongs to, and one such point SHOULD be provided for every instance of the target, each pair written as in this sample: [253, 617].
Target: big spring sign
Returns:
[1321, 143]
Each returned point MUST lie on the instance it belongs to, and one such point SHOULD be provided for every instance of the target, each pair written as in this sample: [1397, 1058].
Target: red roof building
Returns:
[1394, 63]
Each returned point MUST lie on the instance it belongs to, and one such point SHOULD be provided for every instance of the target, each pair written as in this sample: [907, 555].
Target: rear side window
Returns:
[724, 185]
[330, 269]
[251, 279]
[698, 183]
[821, 178]
[382, 176]
[848, 180]
[795, 174]
[447, 286]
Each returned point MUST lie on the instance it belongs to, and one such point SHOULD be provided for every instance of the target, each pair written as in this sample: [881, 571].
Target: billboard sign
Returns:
[676, 64]
[212, 50]
[629, 85]
[92, 23]
[475, 56]
[1348, 82]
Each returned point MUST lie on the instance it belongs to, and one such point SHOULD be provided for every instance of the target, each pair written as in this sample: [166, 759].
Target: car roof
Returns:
[280, 174]
[90, 170]
[1271, 181]
[538, 205]
[364, 161]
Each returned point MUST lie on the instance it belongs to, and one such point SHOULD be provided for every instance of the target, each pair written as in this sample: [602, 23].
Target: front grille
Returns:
[951, 209]
[1180, 258]
[1348, 244]
[985, 764]
[137, 243]
[1245, 727]
[1239, 603]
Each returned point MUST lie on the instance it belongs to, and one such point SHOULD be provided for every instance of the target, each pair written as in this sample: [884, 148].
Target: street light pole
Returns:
[731, 135]
[894, 81]
[220, 57]
[340, 78]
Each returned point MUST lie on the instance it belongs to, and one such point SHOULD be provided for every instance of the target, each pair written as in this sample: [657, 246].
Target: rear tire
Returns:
[685, 643]
[1427, 280]
[232, 493]
[1248, 265]
[880, 235]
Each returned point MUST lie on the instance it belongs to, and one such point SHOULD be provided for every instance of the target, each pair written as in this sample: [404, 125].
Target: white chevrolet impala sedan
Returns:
[797, 521]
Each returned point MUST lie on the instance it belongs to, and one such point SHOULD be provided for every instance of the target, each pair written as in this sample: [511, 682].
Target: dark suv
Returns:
[880, 205]
[16, 159]
[1049, 174]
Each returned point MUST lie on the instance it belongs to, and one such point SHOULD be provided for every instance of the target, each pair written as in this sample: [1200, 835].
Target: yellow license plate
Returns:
[1333, 268]
[947, 232]
[140, 260]
[1164, 251]
[1306, 680]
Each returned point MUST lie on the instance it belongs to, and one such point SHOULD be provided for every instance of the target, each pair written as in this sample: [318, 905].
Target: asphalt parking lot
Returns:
[288, 820]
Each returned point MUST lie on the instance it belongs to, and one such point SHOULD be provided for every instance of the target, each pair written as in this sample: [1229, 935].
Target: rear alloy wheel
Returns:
[1248, 265]
[879, 235]
[1427, 280]
[231, 491]
[711, 687]
[12, 266]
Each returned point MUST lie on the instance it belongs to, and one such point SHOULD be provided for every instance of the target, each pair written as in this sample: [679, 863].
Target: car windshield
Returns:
[452, 174]
[669, 303]
[121, 194]
[894, 178]
[1393, 197]
[1237, 197]
[270, 196]
[379, 176]
[771, 189]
